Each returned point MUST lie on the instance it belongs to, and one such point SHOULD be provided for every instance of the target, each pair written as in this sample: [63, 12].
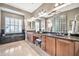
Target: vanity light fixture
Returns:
[42, 12]
[57, 4]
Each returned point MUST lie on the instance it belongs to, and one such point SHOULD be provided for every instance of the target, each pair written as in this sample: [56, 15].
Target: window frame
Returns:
[10, 25]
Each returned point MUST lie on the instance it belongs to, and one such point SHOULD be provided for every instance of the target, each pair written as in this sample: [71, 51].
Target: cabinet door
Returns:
[30, 36]
[77, 48]
[64, 48]
[50, 45]
[43, 43]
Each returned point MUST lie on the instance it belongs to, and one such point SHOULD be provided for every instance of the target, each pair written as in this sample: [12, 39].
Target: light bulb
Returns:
[56, 4]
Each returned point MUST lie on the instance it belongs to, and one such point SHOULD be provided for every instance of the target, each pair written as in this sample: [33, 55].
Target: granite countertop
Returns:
[65, 37]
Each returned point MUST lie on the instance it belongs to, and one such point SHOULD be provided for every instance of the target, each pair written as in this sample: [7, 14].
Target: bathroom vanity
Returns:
[56, 45]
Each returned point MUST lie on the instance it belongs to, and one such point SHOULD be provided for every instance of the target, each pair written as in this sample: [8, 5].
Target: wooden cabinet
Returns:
[55, 46]
[30, 36]
[43, 43]
[64, 47]
[50, 45]
[77, 48]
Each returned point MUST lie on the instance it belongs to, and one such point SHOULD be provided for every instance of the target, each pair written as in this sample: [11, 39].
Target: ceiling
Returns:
[30, 7]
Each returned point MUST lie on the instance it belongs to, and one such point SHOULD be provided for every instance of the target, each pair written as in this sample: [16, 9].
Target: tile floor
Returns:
[19, 48]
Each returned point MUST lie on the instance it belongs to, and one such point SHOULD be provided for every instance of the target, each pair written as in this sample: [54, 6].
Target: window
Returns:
[13, 25]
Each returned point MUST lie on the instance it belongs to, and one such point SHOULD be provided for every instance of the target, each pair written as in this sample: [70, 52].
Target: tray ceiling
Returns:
[30, 7]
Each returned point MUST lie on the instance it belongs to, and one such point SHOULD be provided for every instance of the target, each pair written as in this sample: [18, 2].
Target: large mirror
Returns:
[33, 25]
[40, 25]
[57, 23]
[43, 24]
[37, 25]
[49, 25]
